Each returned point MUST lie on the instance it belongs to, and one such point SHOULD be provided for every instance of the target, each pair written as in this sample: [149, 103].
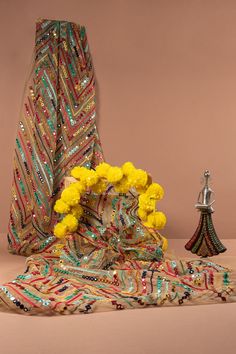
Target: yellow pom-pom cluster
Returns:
[138, 178]
[156, 219]
[155, 191]
[68, 224]
[86, 177]
[99, 187]
[102, 169]
[127, 168]
[123, 179]
[114, 174]
[77, 211]
[123, 185]
[60, 230]
[71, 222]
[61, 207]
[147, 206]
[70, 196]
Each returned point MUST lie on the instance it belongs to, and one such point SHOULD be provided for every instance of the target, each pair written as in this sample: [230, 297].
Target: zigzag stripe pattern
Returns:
[56, 131]
[113, 261]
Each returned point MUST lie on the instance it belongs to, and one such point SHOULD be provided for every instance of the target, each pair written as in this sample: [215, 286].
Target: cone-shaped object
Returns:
[205, 242]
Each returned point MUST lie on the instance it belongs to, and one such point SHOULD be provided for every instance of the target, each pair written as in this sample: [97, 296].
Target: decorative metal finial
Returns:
[204, 198]
[205, 242]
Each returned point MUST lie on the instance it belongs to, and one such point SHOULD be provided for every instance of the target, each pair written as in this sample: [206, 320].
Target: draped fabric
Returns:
[112, 261]
[56, 131]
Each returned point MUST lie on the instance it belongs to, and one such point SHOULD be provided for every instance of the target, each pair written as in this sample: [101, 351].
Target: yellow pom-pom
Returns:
[143, 189]
[61, 207]
[146, 203]
[60, 230]
[122, 186]
[155, 191]
[102, 169]
[150, 220]
[99, 187]
[78, 171]
[156, 220]
[127, 168]
[138, 178]
[71, 222]
[114, 174]
[75, 172]
[90, 178]
[77, 211]
[142, 214]
[85, 176]
[80, 186]
[164, 244]
[70, 196]
[160, 220]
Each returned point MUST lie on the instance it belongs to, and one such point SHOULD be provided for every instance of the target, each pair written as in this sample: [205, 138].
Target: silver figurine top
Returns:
[204, 202]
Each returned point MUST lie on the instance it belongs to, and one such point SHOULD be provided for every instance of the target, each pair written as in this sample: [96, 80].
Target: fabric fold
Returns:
[112, 262]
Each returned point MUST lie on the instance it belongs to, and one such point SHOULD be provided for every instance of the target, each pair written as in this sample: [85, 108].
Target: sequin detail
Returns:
[112, 262]
[56, 131]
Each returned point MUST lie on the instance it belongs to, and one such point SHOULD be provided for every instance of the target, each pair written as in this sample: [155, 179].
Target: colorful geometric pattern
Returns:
[205, 242]
[56, 131]
[48, 288]
[112, 261]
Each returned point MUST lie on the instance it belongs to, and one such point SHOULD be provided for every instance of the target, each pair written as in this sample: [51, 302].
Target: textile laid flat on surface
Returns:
[112, 261]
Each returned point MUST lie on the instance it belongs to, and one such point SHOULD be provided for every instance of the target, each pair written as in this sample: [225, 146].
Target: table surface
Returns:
[202, 329]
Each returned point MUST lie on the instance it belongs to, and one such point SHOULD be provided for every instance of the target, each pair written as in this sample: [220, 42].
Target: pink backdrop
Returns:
[166, 75]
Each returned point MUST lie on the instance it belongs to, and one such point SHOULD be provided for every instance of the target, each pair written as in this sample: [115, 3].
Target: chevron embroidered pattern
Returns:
[56, 131]
[113, 261]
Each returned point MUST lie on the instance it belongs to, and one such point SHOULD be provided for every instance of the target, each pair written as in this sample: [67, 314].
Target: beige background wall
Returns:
[166, 74]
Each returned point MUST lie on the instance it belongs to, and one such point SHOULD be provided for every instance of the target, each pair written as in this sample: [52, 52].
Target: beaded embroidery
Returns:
[101, 266]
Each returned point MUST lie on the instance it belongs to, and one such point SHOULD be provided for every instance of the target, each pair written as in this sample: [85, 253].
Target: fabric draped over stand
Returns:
[112, 261]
